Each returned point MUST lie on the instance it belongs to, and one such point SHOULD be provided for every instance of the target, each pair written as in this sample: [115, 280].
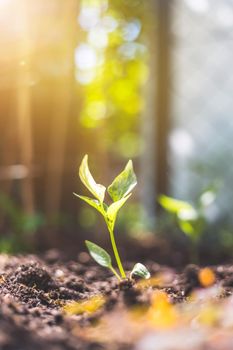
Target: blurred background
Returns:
[146, 80]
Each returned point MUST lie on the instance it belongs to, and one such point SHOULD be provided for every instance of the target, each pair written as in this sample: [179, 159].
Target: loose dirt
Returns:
[48, 303]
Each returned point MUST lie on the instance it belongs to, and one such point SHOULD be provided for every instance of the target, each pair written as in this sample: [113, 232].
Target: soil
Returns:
[34, 291]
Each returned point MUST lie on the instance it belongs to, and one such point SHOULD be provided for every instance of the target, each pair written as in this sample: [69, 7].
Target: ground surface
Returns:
[54, 305]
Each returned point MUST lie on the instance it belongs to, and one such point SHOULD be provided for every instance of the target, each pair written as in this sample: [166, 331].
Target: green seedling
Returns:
[190, 218]
[119, 191]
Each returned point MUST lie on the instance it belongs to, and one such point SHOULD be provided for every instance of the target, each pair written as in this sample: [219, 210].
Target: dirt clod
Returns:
[32, 275]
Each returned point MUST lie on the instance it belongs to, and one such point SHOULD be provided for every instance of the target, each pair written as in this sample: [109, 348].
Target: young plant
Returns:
[191, 219]
[119, 191]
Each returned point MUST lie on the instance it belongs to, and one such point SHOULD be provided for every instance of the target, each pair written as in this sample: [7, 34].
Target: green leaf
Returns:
[187, 227]
[123, 184]
[189, 214]
[188, 220]
[174, 205]
[140, 270]
[192, 228]
[99, 254]
[92, 202]
[113, 209]
[87, 179]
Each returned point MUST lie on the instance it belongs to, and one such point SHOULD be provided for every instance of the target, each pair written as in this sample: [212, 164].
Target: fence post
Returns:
[163, 95]
[155, 121]
[23, 112]
[60, 120]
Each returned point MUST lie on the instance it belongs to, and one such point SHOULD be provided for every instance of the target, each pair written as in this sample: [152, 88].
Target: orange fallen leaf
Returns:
[206, 277]
[162, 314]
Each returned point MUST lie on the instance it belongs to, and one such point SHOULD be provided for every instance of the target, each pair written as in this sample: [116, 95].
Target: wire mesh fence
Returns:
[201, 148]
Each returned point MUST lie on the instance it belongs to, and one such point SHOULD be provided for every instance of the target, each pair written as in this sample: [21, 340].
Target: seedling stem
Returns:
[117, 256]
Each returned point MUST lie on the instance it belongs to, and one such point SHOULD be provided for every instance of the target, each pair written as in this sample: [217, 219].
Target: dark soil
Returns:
[34, 291]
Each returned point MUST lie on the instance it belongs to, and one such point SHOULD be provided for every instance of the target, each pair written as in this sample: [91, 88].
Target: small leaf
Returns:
[189, 221]
[174, 205]
[87, 179]
[113, 210]
[92, 202]
[192, 228]
[123, 184]
[140, 270]
[187, 227]
[190, 214]
[99, 254]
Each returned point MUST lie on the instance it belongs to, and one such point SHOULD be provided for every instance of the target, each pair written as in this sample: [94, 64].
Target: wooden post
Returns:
[155, 121]
[23, 111]
[61, 112]
[163, 95]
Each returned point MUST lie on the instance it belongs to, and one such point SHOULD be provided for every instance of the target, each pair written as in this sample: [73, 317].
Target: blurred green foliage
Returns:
[18, 227]
[111, 66]
[191, 218]
[196, 221]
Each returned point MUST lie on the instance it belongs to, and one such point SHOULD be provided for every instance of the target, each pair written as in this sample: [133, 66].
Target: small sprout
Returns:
[85, 306]
[119, 191]
[191, 219]
[186, 215]
[206, 277]
[141, 271]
